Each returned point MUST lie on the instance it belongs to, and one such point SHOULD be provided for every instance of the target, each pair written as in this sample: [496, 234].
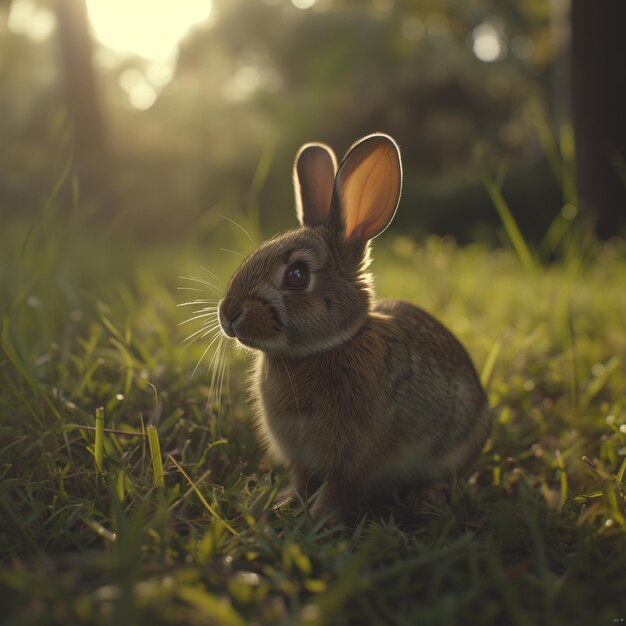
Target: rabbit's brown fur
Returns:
[363, 397]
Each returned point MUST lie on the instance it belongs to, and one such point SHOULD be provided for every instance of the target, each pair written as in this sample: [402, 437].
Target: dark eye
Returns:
[297, 276]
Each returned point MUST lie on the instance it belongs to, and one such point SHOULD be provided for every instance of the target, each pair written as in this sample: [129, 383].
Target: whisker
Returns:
[208, 331]
[199, 302]
[219, 282]
[203, 332]
[230, 402]
[206, 283]
[247, 234]
[220, 379]
[195, 369]
[197, 279]
[197, 317]
[206, 311]
[191, 339]
[243, 256]
[213, 365]
[191, 289]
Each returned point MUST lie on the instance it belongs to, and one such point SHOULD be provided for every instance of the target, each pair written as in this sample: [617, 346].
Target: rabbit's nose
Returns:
[227, 317]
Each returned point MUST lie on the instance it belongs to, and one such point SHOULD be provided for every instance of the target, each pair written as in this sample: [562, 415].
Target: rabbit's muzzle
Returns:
[253, 322]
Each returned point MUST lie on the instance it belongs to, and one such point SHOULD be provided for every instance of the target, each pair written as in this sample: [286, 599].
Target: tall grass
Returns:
[160, 508]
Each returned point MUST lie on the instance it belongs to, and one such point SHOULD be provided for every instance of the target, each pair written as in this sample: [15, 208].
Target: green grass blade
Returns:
[564, 493]
[490, 363]
[155, 453]
[206, 505]
[510, 225]
[99, 444]
[596, 386]
[620, 473]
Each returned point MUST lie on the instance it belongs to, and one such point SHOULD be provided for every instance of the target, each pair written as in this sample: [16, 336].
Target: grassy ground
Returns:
[96, 532]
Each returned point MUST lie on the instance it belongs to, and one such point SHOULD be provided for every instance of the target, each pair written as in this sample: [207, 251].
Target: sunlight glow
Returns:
[148, 29]
[303, 4]
[35, 22]
[487, 44]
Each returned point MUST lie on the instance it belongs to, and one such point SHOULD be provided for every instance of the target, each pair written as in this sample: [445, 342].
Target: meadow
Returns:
[133, 491]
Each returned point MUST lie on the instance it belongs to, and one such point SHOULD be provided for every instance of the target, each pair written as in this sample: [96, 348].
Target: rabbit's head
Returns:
[307, 290]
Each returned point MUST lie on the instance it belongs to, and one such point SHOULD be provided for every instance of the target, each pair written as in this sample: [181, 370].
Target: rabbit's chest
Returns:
[315, 415]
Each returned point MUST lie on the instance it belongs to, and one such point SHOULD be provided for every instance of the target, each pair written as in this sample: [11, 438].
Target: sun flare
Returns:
[148, 29]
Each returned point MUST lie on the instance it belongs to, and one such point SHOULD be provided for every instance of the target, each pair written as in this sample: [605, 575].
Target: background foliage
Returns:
[261, 78]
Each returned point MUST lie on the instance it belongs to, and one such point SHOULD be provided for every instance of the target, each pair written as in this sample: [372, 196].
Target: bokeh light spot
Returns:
[143, 96]
[569, 211]
[487, 45]
[247, 78]
[130, 78]
[26, 18]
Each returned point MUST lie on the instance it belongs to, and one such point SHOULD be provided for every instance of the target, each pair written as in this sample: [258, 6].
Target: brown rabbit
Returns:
[357, 395]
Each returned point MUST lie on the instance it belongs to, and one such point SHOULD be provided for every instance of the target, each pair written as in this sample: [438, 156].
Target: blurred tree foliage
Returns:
[259, 78]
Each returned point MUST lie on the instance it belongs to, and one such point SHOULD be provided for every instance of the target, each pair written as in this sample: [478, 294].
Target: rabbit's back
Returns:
[437, 400]
[435, 382]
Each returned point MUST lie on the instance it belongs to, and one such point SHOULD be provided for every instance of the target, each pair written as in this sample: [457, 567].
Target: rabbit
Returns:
[360, 397]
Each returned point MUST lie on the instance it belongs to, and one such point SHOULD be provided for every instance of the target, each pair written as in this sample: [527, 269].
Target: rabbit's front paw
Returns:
[436, 495]
[335, 502]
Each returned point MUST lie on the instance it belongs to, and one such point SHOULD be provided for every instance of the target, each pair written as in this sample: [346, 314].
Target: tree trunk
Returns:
[90, 154]
[599, 101]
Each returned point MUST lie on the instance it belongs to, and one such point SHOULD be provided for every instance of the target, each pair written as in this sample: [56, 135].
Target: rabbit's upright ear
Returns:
[368, 186]
[313, 179]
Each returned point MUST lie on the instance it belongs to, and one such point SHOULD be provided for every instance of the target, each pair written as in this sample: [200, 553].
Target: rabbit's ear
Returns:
[313, 179]
[368, 186]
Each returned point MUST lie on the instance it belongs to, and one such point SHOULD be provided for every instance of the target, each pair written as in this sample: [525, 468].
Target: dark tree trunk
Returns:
[599, 100]
[91, 159]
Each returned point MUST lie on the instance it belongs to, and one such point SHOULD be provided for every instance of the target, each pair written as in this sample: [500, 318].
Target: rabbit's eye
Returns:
[297, 276]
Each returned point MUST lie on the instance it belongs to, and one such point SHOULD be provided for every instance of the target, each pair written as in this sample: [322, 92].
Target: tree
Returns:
[599, 101]
[90, 153]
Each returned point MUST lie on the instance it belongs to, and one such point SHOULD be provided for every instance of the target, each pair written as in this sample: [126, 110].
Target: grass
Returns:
[132, 493]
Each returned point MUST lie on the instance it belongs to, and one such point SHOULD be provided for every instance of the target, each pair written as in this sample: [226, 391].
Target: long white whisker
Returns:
[206, 309]
[219, 282]
[197, 317]
[197, 279]
[247, 234]
[243, 256]
[214, 288]
[195, 369]
[210, 331]
[230, 402]
[213, 391]
[203, 332]
[191, 339]
[199, 302]
[213, 367]
[191, 289]
[220, 381]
